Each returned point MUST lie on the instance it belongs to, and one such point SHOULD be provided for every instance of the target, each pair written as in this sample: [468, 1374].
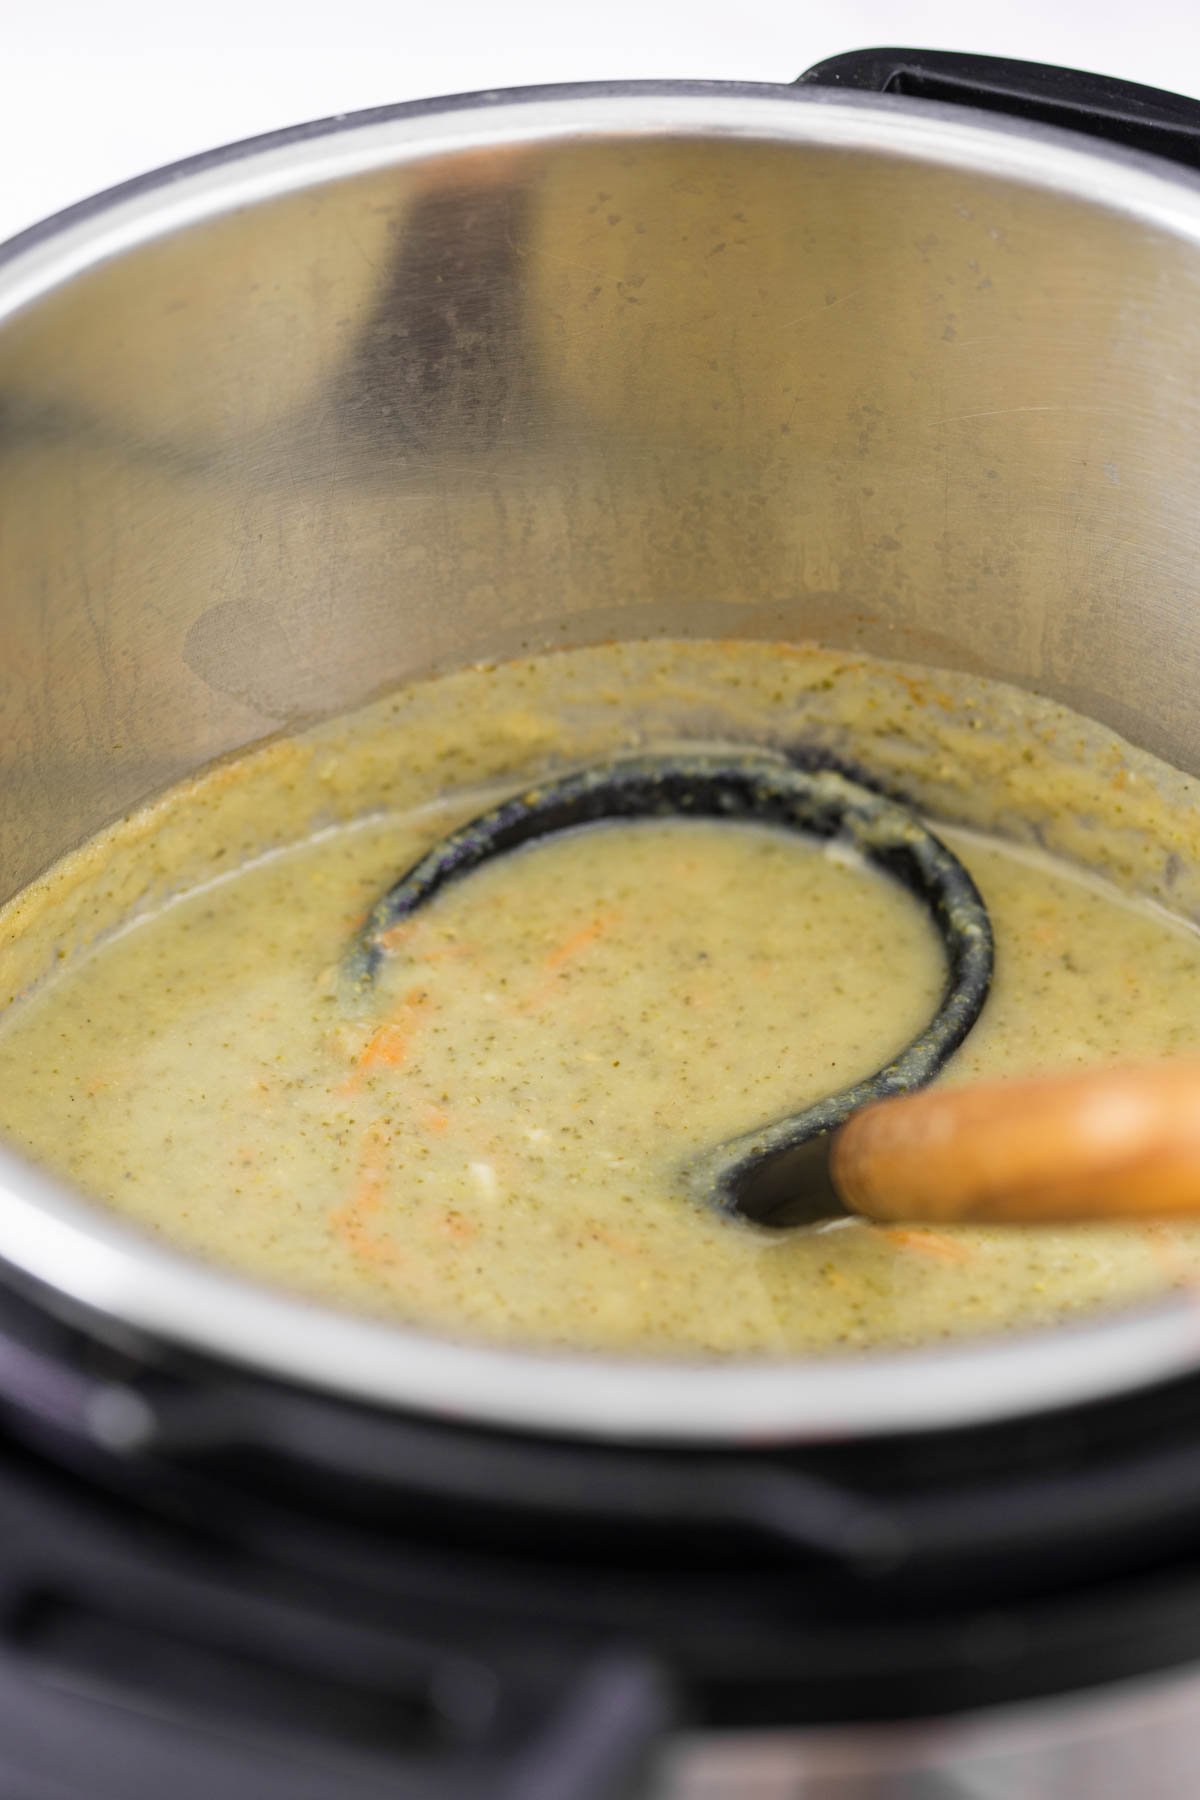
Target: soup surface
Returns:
[493, 1140]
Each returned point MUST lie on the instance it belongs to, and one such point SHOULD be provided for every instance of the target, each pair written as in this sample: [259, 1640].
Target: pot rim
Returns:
[79, 1256]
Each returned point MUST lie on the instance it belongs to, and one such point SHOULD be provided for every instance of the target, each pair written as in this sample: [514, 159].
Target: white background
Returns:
[93, 91]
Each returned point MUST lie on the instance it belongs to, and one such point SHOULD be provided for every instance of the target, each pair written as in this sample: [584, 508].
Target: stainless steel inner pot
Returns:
[323, 412]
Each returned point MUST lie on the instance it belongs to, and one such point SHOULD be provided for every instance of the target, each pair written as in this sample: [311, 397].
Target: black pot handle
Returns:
[1123, 112]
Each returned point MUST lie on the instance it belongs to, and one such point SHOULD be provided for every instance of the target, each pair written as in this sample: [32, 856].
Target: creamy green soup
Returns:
[492, 1141]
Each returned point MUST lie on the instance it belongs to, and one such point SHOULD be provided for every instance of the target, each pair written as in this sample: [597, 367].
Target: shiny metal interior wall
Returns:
[446, 385]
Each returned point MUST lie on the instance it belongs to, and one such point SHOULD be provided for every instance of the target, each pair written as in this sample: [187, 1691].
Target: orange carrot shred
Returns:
[353, 1221]
[562, 954]
[397, 934]
[390, 1042]
[931, 1243]
[579, 940]
[458, 1229]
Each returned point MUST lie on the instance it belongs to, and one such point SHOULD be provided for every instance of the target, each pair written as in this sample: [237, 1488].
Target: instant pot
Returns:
[904, 357]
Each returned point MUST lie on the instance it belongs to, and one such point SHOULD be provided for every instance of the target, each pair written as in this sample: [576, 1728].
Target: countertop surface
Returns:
[92, 94]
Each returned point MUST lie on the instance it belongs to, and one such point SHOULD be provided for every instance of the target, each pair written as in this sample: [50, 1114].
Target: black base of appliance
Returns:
[211, 1583]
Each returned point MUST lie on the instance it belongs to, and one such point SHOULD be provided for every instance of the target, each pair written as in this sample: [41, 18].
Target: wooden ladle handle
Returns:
[1105, 1144]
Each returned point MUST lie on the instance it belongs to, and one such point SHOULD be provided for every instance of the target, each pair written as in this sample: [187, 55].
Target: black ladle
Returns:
[777, 1174]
